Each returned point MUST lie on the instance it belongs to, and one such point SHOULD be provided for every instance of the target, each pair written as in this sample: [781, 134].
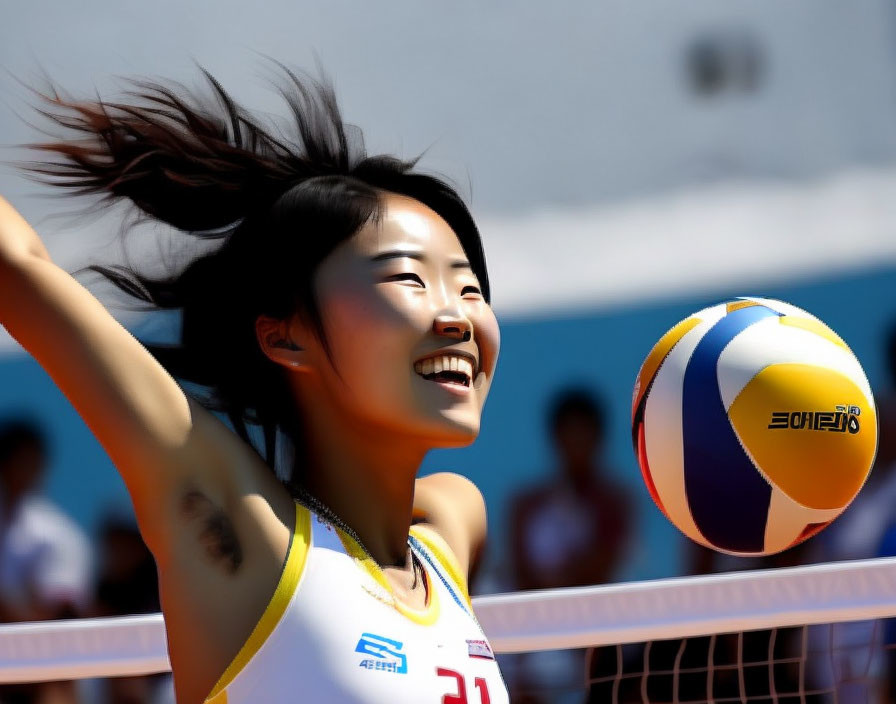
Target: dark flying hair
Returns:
[280, 200]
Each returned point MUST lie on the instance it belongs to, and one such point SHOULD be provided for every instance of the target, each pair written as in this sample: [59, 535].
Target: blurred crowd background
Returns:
[628, 164]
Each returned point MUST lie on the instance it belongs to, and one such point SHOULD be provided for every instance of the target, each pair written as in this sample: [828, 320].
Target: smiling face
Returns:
[413, 343]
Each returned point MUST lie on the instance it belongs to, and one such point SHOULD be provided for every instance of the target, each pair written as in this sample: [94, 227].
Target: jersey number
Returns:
[460, 696]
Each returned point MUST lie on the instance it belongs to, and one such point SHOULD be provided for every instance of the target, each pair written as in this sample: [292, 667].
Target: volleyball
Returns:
[754, 426]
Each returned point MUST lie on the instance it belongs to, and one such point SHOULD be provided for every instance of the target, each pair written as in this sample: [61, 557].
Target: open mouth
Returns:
[452, 369]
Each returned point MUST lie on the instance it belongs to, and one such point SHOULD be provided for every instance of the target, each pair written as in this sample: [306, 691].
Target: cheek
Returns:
[488, 335]
[392, 310]
[371, 340]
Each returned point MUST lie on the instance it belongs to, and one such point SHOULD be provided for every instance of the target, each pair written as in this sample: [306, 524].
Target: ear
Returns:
[276, 342]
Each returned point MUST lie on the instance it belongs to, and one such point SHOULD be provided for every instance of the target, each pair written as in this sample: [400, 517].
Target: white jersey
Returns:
[334, 632]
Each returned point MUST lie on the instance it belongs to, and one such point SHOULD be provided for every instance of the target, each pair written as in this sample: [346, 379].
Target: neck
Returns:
[366, 476]
[579, 478]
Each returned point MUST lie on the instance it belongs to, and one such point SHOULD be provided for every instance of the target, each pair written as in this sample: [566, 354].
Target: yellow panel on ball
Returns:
[738, 305]
[814, 325]
[800, 426]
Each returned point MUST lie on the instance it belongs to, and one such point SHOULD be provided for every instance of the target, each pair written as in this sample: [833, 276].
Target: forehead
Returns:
[408, 224]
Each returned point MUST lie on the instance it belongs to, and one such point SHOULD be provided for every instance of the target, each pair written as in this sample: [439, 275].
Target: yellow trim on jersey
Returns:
[286, 587]
[426, 616]
[362, 558]
[437, 545]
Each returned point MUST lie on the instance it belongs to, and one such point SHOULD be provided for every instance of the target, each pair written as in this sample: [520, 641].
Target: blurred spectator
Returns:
[868, 529]
[570, 531]
[888, 629]
[127, 583]
[573, 529]
[45, 559]
[860, 531]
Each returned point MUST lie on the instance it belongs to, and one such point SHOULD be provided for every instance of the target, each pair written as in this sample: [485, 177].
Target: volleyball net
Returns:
[808, 633]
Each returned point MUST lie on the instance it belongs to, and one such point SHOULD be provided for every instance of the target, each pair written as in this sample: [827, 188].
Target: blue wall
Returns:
[603, 349]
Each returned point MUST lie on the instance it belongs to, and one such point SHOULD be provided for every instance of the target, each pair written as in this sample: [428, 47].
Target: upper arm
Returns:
[133, 406]
[454, 507]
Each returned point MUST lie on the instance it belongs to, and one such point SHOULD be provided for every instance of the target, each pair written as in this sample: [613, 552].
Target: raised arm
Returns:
[133, 406]
[191, 163]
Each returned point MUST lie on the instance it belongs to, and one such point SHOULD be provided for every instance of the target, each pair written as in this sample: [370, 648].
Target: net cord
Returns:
[525, 621]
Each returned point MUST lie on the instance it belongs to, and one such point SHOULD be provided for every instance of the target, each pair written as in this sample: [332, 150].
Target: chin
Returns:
[457, 430]
[452, 443]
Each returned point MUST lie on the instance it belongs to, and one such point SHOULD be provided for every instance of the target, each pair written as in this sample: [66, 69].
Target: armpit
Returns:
[216, 532]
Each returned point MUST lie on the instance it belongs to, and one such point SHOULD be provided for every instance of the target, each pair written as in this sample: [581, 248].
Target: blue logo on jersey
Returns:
[386, 657]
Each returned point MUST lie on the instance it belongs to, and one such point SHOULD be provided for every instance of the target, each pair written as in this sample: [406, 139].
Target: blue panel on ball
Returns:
[728, 498]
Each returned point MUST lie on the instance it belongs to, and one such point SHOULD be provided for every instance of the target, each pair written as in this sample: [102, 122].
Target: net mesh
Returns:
[834, 662]
[798, 664]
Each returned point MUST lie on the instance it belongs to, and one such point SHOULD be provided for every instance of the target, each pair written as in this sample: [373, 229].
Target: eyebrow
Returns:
[415, 254]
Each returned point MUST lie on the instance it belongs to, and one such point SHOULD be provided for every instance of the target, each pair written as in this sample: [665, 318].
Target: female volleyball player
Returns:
[345, 314]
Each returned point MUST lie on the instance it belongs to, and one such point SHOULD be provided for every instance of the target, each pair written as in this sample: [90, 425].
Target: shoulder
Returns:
[453, 485]
[450, 498]
[453, 507]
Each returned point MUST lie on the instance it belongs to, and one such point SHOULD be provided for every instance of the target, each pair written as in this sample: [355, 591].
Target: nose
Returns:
[453, 325]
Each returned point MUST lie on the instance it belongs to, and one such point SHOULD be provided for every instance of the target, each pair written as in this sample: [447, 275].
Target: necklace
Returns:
[315, 505]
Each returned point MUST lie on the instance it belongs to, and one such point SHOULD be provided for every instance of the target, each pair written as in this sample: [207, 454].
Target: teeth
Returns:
[445, 363]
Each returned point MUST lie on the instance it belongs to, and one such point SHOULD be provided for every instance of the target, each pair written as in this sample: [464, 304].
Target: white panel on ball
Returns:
[787, 519]
[769, 342]
[663, 429]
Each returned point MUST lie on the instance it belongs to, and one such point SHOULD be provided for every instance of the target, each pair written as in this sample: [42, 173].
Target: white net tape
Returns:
[689, 606]
[96, 647]
[522, 622]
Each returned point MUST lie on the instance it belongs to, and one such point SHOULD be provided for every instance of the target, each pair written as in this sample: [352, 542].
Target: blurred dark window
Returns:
[724, 62]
